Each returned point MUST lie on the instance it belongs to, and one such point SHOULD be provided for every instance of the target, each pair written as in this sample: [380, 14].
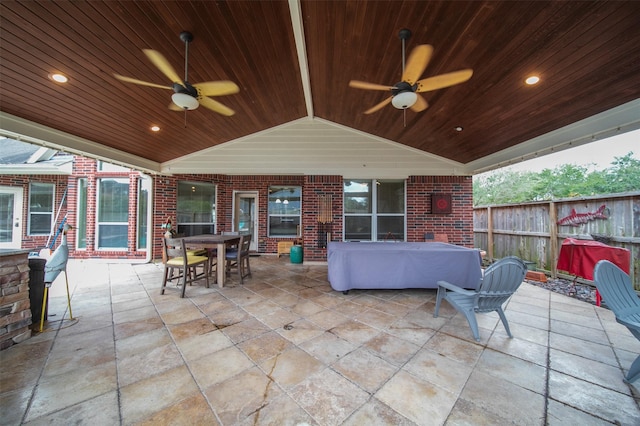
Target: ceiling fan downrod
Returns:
[187, 38]
[403, 88]
[405, 34]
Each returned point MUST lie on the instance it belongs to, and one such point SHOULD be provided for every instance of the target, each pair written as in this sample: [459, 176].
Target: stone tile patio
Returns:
[285, 349]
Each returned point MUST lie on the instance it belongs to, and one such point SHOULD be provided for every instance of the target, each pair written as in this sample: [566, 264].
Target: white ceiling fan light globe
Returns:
[185, 101]
[404, 100]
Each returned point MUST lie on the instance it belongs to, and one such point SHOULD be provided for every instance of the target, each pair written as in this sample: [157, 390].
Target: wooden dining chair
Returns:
[239, 258]
[186, 265]
[210, 253]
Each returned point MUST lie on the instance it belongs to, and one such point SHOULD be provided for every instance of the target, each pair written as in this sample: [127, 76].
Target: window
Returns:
[41, 199]
[113, 213]
[374, 210]
[285, 208]
[196, 208]
[108, 167]
[81, 215]
[142, 228]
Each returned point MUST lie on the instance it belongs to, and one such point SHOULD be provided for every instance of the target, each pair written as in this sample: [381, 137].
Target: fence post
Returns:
[553, 237]
[489, 233]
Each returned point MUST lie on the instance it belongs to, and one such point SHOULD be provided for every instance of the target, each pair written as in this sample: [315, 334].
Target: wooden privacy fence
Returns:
[531, 230]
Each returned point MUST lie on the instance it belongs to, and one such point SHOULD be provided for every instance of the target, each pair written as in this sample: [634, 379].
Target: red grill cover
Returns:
[579, 257]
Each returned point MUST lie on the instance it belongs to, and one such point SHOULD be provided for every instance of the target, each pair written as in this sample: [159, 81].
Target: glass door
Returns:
[10, 217]
[245, 217]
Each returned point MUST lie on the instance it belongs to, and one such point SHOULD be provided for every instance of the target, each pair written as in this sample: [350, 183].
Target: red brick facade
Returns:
[458, 225]
[419, 189]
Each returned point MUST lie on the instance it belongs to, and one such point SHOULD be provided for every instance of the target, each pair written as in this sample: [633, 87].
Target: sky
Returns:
[595, 155]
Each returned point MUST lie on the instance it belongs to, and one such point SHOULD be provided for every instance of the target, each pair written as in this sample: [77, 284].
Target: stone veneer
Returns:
[15, 308]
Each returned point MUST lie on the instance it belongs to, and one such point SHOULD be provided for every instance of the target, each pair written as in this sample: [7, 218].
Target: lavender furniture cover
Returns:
[386, 265]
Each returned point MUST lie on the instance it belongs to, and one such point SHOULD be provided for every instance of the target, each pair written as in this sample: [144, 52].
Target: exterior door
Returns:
[245, 217]
[10, 217]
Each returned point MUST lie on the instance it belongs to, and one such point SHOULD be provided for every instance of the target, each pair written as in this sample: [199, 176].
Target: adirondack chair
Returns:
[617, 292]
[499, 282]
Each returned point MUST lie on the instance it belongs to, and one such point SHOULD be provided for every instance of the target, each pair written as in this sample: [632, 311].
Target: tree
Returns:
[503, 187]
[567, 180]
[624, 174]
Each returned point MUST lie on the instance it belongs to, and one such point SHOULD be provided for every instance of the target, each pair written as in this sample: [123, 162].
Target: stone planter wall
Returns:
[15, 309]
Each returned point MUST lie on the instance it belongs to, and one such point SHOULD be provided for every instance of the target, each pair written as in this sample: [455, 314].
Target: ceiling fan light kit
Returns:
[404, 100]
[185, 101]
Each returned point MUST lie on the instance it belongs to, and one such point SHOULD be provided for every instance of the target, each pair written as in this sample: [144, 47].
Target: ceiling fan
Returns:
[187, 96]
[404, 94]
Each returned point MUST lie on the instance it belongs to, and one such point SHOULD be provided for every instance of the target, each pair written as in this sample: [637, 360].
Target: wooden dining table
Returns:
[210, 241]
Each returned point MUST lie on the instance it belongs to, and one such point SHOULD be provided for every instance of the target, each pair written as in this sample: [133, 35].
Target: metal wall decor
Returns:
[440, 203]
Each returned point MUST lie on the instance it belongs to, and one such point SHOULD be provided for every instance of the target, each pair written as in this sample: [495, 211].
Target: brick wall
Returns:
[458, 225]
[87, 168]
[420, 220]
[316, 187]
[165, 197]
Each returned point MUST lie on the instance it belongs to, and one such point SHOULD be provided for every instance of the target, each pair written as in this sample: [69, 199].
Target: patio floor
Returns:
[284, 349]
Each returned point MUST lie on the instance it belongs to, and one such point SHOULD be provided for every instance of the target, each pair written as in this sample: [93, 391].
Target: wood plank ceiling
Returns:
[586, 53]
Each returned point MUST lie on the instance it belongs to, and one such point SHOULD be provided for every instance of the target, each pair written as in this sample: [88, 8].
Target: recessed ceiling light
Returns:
[58, 78]
[458, 128]
[534, 79]
[155, 128]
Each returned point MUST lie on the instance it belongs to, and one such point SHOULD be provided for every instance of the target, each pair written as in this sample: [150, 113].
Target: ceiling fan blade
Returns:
[379, 106]
[163, 65]
[417, 63]
[420, 105]
[369, 86]
[217, 88]
[140, 82]
[444, 80]
[215, 106]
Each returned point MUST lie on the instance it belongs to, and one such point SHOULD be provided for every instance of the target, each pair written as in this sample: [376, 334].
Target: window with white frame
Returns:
[285, 209]
[113, 214]
[103, 166]
[374, 210]
[41, 207]
[81, 214]
[196, 206]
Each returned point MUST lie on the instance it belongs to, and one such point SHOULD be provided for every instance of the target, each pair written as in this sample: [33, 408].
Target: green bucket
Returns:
[296, 254]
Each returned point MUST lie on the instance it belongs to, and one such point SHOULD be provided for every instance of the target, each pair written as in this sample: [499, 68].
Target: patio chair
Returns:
[239, 257]
[617, 292]
[499, 282]
[178, 260]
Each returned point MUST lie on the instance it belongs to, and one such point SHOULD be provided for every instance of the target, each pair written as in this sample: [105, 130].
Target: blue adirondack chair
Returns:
[499, 282]
[617, 292]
